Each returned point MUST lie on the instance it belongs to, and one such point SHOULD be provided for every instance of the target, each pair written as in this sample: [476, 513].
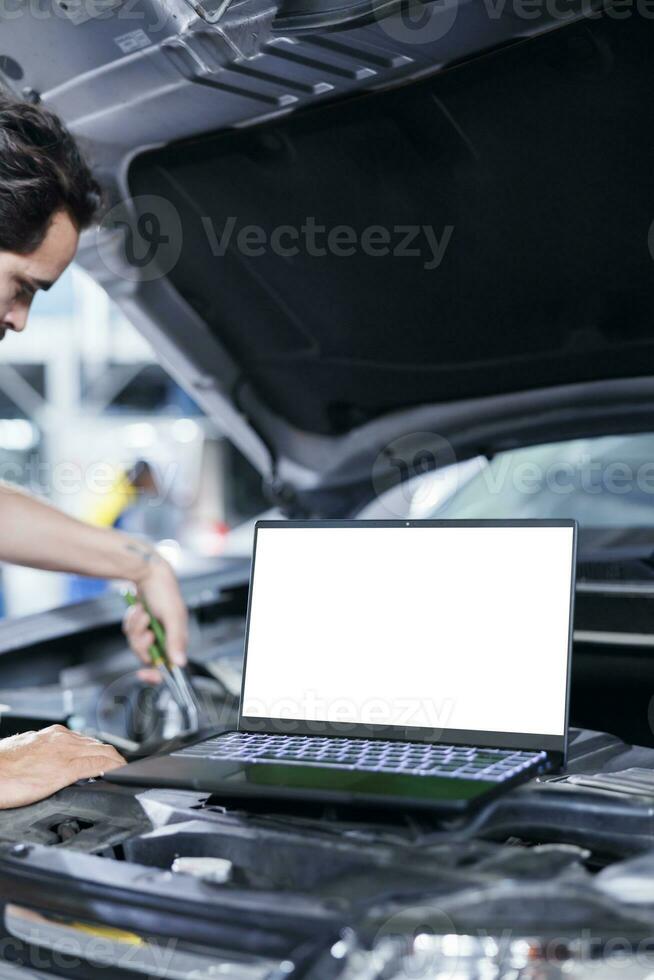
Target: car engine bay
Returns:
[551, 879]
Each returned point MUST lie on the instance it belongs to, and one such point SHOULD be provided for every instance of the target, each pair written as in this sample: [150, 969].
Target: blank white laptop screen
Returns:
[436, 627]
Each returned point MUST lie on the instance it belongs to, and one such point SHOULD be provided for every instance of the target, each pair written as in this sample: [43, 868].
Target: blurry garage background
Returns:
[90, 421]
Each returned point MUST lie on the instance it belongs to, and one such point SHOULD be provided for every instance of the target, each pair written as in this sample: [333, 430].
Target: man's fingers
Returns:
[99, 750]
[136, 625]
[141, 643]
[66, 741]
[175, 623]
[53, 730]
[135, 620]
[60, 736]
[132, 615]
[160, 593]
[93, 746]
[150, 675]
[89, 740]
[88, 766]
[135, 628]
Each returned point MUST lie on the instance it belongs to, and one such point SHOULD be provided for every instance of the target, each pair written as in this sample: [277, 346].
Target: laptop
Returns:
[396, 663]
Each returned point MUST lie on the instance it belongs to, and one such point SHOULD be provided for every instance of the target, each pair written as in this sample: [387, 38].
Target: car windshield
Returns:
[606, 484]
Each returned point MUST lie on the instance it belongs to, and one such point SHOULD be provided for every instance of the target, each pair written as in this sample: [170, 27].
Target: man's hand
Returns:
[160, 589]
[34, 765]
[35, 534]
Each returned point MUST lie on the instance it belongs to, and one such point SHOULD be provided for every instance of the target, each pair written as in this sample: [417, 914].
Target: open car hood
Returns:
[330, 260]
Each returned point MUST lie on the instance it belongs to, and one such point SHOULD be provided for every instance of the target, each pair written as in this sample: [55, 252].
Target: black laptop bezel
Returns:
[556, 746]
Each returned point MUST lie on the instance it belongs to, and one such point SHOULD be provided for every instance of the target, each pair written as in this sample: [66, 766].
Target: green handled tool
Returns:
[173, 676]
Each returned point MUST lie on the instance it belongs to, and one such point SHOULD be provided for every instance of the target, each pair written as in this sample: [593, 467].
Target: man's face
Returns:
[21, 276]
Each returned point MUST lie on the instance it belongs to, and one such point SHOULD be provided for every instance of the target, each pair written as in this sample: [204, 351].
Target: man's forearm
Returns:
[35, 534]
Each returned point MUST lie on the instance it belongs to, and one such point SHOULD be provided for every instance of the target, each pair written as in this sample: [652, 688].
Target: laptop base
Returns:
[278, 781]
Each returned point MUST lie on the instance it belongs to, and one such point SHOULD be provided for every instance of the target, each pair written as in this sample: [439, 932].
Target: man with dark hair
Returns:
[47, 197]
[41, 173]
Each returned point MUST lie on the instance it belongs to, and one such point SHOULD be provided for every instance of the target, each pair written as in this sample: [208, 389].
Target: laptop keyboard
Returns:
[367, 755]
